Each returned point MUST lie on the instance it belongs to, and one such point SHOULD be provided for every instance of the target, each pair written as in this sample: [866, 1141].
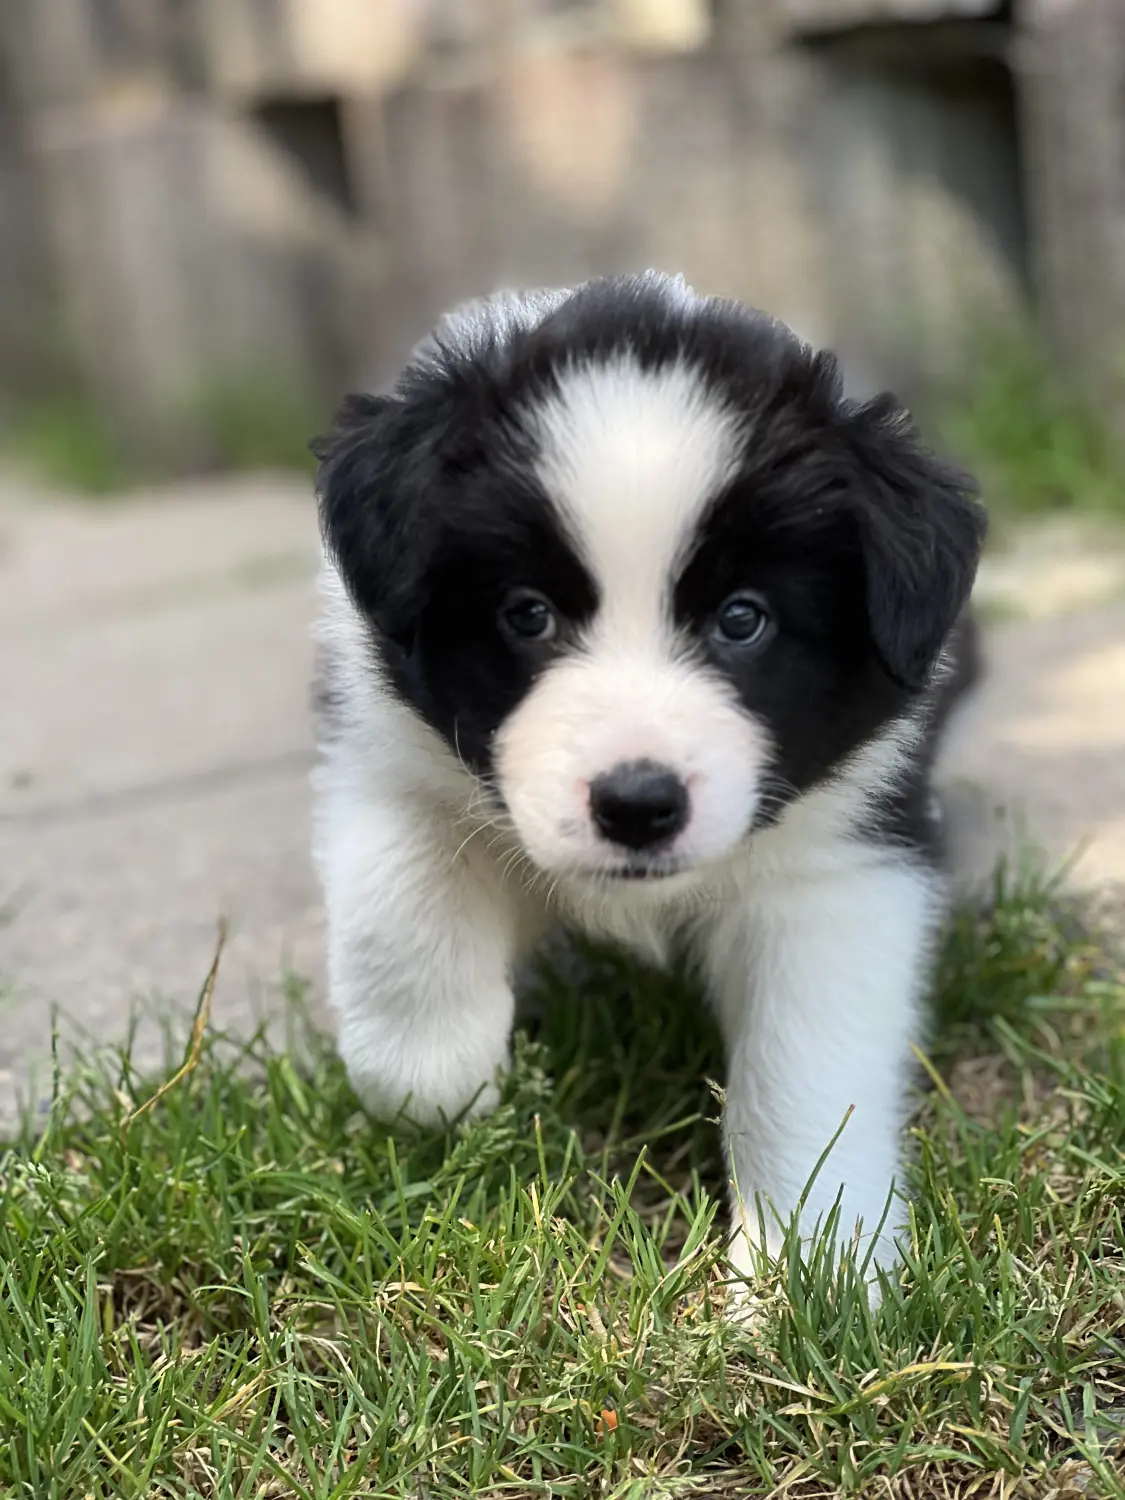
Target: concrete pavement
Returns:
[154, 754]
[155, 746]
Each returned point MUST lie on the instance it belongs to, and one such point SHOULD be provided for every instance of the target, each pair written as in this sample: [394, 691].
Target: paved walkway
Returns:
[154, 746]
[154, 755]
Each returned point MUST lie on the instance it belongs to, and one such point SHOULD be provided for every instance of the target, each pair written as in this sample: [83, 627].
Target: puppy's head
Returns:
[637, 560]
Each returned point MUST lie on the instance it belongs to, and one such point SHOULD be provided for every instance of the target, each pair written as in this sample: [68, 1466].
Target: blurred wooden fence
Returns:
[197, 192]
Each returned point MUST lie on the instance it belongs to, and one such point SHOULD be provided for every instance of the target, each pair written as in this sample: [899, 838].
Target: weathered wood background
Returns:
[210, 191]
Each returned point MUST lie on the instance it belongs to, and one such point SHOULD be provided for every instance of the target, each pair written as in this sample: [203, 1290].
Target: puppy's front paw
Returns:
[749, 1265]
[430, 1089]
[388, 1101]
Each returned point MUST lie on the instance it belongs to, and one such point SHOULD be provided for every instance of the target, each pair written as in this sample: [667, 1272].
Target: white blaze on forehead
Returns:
[632, 457]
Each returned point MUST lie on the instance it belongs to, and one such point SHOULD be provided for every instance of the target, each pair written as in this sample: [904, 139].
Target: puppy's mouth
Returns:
[643, 871]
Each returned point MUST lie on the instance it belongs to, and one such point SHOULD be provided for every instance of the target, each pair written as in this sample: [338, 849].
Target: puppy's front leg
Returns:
[818, 982]
[421, 942]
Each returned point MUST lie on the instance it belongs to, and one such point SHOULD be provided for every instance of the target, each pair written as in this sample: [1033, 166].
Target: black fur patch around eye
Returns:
[815, 684]
[463, 673]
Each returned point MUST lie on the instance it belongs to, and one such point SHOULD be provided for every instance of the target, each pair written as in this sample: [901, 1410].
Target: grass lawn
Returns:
[251, 1290]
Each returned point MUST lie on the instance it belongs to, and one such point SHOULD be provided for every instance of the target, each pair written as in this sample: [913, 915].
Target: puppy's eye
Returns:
[529, 617]
[744, 620]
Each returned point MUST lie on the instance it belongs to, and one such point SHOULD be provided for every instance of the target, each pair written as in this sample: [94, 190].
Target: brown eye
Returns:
[744, 620]
[529, 617]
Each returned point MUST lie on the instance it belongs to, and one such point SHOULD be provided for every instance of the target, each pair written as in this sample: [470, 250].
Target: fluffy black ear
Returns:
[921, 530]
[371, 495]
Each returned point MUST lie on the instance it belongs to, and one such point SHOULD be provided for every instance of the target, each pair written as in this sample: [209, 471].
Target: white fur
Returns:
[631, 459]
[817, 975]
[813, 943]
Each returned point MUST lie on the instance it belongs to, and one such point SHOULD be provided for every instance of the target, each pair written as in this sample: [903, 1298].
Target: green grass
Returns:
[252, 1290]
[1036, 446]
[65, 441]
[231, 425]
[255, 422]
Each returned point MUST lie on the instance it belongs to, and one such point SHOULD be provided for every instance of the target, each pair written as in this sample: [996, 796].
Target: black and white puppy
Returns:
[631, 620]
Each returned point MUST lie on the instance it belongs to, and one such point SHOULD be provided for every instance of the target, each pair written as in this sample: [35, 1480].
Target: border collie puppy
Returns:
[631, 621]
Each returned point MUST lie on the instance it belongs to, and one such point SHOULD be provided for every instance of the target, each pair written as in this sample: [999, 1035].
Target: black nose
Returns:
[638, 803]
